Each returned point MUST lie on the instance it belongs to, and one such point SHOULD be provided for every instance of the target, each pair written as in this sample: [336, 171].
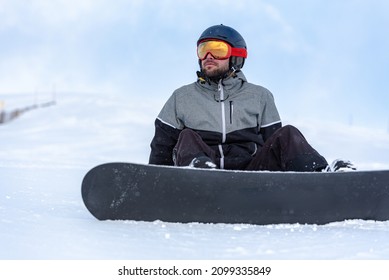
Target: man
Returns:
[223, 121]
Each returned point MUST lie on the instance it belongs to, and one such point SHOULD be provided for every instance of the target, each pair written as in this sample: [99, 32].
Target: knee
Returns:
[289, 131]
[188, 133]
[289, 127]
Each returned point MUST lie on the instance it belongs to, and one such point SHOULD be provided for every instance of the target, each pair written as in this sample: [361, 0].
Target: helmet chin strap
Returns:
[232, 72]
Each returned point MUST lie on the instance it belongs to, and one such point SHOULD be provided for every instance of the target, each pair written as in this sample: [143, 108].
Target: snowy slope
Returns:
[45, 153]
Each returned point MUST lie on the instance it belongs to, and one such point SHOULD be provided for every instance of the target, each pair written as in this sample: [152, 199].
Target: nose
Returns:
[209, 56]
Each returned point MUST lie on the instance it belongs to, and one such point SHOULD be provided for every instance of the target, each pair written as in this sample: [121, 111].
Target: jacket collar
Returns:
[229, 83]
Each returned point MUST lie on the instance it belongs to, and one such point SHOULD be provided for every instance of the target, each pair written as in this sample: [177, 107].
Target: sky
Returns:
[323, 60]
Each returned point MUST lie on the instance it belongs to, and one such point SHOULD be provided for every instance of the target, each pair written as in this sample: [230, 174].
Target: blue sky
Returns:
[321, 59]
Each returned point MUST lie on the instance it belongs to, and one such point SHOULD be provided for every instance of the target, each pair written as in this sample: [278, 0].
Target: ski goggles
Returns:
[219, 50]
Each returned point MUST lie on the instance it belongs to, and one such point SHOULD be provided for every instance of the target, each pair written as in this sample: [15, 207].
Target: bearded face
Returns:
[214, 68]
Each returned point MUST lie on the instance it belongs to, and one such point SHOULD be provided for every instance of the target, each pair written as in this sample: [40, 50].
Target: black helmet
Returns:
[229, 35]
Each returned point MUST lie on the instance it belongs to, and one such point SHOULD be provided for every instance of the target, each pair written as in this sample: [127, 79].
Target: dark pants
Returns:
[286, 150]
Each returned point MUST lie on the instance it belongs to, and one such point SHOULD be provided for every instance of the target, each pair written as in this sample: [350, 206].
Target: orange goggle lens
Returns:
[219, 50]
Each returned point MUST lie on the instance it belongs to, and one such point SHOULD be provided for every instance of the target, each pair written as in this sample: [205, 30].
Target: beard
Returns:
[216, 74]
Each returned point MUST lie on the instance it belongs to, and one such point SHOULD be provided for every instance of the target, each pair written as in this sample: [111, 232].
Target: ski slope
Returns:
[45, 153]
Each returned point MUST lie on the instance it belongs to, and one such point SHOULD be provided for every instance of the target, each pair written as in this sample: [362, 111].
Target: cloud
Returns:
[316, 55]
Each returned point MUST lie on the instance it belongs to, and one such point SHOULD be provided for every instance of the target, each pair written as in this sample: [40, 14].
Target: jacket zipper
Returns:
[231, 111]
[221, 92]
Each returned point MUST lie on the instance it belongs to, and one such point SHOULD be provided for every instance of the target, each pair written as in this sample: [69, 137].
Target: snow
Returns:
[45, 153]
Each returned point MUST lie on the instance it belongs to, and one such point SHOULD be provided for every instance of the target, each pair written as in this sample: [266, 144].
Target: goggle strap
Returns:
[239, 52]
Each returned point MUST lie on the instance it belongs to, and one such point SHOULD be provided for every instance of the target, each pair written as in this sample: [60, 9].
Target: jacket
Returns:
[234, 117]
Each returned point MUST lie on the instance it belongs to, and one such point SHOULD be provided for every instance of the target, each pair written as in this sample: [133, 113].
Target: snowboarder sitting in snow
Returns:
[223, 121]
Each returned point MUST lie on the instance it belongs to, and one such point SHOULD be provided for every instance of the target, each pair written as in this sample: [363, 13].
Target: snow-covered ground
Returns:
[45, 153]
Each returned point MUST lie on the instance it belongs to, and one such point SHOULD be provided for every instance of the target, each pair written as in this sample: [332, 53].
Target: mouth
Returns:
[209, 63]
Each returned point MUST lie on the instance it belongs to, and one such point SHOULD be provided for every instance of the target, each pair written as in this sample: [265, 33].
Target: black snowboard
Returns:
[126, 191]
